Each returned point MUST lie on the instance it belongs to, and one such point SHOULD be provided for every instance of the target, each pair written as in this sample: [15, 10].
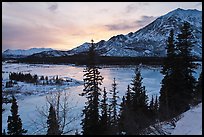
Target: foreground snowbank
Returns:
[190, 123]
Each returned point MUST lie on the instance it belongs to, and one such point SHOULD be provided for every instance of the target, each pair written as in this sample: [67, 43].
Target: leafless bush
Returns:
[61, 102]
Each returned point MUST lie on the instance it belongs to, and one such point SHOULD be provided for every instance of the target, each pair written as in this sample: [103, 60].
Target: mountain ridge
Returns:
[149, 41]
[24, 53]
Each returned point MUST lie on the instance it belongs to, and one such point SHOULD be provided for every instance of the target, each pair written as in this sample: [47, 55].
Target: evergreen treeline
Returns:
[136, 113]
[23, 77]
[13, 76]
[83, 59]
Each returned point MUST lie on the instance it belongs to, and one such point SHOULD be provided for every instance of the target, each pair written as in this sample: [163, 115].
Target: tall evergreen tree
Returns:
[187, 66]
[104, 114]
[151, 105]
[156, 105]
[14, 121]
[169, 87]
[114, 104]
[92, 81]
[121, 121]
[128, 96]
[52, 122]
[139, 97]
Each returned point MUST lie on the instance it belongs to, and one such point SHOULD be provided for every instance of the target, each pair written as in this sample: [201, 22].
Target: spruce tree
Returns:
[14, 121]
[92, 81]
[151, 105]
[35, 79]
[143, 100]
[52, 122]
[114, 104]
[42, 78]
[169, 87]
[138, 94]
[156, 105]
[134, 117]
[128, 96]
[46, 78]
[185, 42]
[104, 113]
[121, 121]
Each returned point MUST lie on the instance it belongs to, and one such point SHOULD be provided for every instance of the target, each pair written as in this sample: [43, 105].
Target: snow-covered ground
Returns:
[28, 104]
[187, 123]
[190, 123]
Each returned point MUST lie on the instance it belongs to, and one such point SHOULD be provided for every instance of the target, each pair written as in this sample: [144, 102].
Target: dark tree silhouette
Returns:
[187, 66]
[92, 81]
[14, 121]
[52, 122]
[128, 96]
[113, 106]
[178, 84]
[134, 112]
[104, 121]
[168, 87]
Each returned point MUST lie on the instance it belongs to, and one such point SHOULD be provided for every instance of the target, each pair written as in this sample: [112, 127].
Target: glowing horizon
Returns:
[66, 25]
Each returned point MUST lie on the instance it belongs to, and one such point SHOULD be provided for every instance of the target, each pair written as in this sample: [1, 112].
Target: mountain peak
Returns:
[183, 12]
[187, 10]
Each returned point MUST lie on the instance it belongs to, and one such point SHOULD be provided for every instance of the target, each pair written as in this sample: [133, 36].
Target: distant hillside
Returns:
[23, 53]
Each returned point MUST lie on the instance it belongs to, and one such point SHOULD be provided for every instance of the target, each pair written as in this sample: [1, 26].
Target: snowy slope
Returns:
[53, 53]
[150, 40]
[20, 52]
[190, 123]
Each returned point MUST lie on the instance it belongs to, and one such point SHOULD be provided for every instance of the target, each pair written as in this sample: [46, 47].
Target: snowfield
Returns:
[187, 123]
[190, 123]
[28, 104]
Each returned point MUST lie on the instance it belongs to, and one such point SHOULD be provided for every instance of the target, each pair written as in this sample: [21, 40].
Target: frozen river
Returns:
[123, 75]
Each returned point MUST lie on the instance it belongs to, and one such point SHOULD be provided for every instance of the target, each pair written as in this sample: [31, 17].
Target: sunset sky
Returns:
[65, 25]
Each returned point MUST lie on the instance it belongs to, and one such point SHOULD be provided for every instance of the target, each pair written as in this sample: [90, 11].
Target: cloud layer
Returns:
[125, 25]
[52, 6]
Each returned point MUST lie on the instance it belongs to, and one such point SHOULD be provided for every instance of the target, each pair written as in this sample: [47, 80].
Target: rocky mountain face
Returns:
[150, 40]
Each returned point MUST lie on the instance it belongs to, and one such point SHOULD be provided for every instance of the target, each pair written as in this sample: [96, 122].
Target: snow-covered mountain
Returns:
[53, 53]
[150, 40]
[24, 53]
